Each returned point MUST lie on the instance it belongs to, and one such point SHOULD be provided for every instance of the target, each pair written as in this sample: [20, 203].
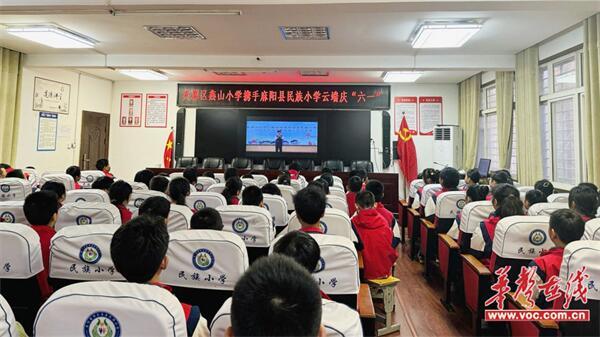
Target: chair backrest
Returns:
[522, 237]
[334, 201]
[14, 189]
[334, 222]
[200, 200]
[83, 253]
[138, 196]
[333, 165]
[288, 192]
[365, 165]
[262, 180]
[546, 208]
[105, 308]
[205, 259]
[186, 162]
[216, 188]
[87, 213]
[175, 175]
[203, 183]
[428, 191]
[137, 186]
[579, 254]
[12, 212]
[220, 177]
[592, 230]
[242, 163]
[20, 252]
[249, 182]
[8, 324]
[274, 164]
[277, 206]
[64, 178]
[88, 177]
[473, 214]
[559, 197]
[414, 187]
[212, 163]
[525, 188]
[89, 195]
[251, 223]
[180, 218]
[448, 204]
[32, 176]
[305, 164]
[296, 185]
[337, 191]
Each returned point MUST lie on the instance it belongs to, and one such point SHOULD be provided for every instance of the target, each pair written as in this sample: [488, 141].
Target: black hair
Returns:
[232, 187]
[284, 179]
[271, 188]
[209, 174]
[39, 207]
[310, 204]
[365, 199]
[138, 248]
[301, 247]
[119, 192]
[155, 206]
[4, 166]
[502, 177]
[294, 166]
[355, 184]
[584, 200]
[287, 295]
[321, 184]
[590, 185]
[179, 188]
[449, 178]
[478, 192]
[362, 174]
[430, 176]
[231, 172]
[159, 183]
[508, 200]
[103, 183]
[535, 197]
[191, 174]
[143, 176]
[101, 164]
[248, 176]
[75, 172]
[207, 218]
[16, 173]
[545, 186]
[252, 196]
[57, 187]
[326, 170]
[375, 187]
[328, 177]
[568, 225]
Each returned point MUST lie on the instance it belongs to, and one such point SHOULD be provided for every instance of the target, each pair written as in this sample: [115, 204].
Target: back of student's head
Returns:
[271, 188]
[478, 192]
[567, 225]
[155, 206]
[209, 174]
[328, 177]
[103, 183]
[321, 184]
[231, 172]
[375, 187]
[101, 164]
[139, 247]
[449, 177]
[502, 177]
[252, 196]
[233, 186]
[207, 218]
[590, 185]
[39, 207]
[584, 200]
[301, 247]
[355, 184]
[119, 192]
[362, 174]
[75, 172]
[179, 188]
[16, 173]
[276, 297]
[507, 200]
[159, 183]
[310, 204]
[365, 199]
[430, 176]
[535, 197]
[56, 187]
[473, 175]
[544, 186]
[326, 170]
[191, 174]
[284, 179]
[143, 176]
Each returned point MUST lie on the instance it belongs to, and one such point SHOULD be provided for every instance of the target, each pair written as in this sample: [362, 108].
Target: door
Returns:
[95, 129]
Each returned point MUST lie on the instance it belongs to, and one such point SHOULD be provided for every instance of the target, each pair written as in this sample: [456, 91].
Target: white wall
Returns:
[87, 93]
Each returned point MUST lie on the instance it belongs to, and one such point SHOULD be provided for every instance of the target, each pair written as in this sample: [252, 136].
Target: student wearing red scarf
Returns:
[583, 199]
[104, 166]
[310, 206]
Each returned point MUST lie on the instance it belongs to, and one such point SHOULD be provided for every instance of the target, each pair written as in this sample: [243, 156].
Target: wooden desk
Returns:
[389, 181]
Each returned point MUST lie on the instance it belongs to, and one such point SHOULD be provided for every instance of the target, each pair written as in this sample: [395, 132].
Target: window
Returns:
[544, 81]
[565, 74]
[563, 142]
[491, 139]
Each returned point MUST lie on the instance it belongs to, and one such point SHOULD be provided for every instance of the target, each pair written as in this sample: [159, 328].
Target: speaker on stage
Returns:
[385, 126]
[179, 133]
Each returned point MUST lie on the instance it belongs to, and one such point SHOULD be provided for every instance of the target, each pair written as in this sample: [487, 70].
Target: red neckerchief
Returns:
[311, 230]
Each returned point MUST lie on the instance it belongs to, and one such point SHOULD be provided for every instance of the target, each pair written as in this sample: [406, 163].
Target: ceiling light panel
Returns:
[444, 35]
[402, 76]
[144, 74]
[51, 36]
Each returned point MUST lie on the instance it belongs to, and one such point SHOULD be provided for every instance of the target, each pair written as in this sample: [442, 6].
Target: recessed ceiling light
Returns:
[144, 74]
[402, 76]
[444, 34]
[52, 36]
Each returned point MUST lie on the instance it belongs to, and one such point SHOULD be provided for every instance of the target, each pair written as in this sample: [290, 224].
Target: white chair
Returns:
[262, 180]
[137, 186]
[33, 177]
[592, 230]
[87, 213]
[579, 254]
[521, 237]
[428, 191]
[63, 178]
[471, 216]
[334, 222]
[216, 188]
[220, 178]
[277, 206]
[200, 200]
[138, 196]
[105, 308]
[559, 197]
[175, 175]
[8, 324]
[296, 185]
[203, 183]
[338, 192]
[414, 187]
[546, 208]
[89, 195]
[523, 191]
[88, 178]
[337, 319]
[251, 223]
[20, 252]
[83, 253]
[337, 181]
[180, 218]
[12, 212]
[336, 202]
[249, 182]
[14, 189]
[288, 192]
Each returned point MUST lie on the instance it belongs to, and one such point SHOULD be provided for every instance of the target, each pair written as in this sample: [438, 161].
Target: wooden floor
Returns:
[418, 306]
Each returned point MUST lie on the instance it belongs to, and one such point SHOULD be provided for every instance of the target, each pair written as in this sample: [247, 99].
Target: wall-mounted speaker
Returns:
[179, 133]
[385, 126]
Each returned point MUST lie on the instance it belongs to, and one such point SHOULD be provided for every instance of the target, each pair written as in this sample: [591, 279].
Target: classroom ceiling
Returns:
[365, 31]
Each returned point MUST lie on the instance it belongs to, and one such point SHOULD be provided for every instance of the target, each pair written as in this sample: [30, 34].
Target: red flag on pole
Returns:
[168, 154]
[407, 155]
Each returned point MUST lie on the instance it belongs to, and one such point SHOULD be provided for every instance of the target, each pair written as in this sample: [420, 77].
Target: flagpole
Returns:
[173, 152]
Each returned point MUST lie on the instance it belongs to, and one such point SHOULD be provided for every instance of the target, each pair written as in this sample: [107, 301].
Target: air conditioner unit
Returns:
[447, 145]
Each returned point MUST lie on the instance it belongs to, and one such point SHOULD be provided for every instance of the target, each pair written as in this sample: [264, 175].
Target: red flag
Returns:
[407, 155]
[168, 155]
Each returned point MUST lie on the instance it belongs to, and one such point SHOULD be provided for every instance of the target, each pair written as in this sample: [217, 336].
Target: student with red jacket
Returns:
[75, 172]
[565, 226]
[119, 194]
[375, 234]
[583, 199]
[139, 253]
[355, 185]
[104, 166]
[233, 188]
[41, 211]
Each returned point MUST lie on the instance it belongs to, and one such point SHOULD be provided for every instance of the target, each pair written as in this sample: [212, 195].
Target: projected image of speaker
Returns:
[282, 136]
